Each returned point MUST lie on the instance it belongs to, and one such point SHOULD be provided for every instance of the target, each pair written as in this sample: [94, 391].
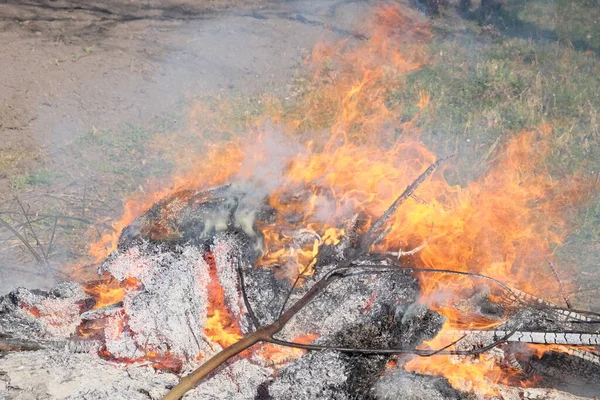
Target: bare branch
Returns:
[38, 244]
[301, 274]
[245, 296]
[418, 352]
[52, 236]
[83, 204]
[371, 235]
[25, 242]
[9, 344]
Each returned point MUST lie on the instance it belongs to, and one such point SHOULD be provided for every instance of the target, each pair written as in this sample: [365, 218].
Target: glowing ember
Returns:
[108, 292]
[280, 355]
[220, 327]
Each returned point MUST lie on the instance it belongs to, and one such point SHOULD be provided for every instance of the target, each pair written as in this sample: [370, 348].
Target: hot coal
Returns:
[197, 216]
[563, 371]
[37, 314]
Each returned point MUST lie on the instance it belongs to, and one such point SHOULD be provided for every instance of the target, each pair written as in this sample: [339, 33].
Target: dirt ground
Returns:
[71, 69]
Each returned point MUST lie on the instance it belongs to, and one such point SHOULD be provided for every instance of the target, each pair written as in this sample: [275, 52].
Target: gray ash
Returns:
[190, 240]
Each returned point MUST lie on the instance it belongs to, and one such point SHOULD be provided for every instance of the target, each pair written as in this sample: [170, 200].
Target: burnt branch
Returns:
[9, 344]
[421, 353]
[240, 274]
[370, 237]
[300, 275]
[561, 287]
[400, 253]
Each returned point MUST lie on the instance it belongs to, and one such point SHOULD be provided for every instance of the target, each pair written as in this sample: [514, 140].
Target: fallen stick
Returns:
[564, 338]
[71, 346]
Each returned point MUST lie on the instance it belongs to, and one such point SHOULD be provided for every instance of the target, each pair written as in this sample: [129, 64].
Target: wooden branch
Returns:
[260, 335]
[9, 344]
[565, 338]
[371, 235]
[190, 381]
[245, 297]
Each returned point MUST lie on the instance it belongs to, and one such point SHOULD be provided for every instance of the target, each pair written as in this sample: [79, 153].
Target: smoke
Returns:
[85, 111]
[262, 171]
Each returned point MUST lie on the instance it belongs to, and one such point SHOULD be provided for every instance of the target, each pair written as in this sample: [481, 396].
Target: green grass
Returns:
[130, 138]
[85, 51]
[41, 177]
[489, 88]
[573, 22]
[127, 158]
[538, 61]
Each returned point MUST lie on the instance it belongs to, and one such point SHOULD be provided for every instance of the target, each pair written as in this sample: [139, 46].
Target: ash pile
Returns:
[183, 285]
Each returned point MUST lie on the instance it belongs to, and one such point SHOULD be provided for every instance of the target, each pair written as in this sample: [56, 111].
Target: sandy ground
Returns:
[71, 67]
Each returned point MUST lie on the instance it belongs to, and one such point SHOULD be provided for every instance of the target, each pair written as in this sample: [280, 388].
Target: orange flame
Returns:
[109, 291]
[505, 224]
[220, 327]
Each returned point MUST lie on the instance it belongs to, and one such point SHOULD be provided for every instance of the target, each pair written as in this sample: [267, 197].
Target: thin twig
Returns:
[358, 350]
[401, 253]
[52, 236]
[24, 241]
[417, 198]
[561, 288]
[21, 271]
[38, 244]
[189, 323]
[32, 221]
[83, 201]
[79, 219]
[295, 284]
[245, 297]
[449, 271]
[418, 352]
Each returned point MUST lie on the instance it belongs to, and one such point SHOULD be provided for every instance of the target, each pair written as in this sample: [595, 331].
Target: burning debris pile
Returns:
[304, 271]
[183, 291]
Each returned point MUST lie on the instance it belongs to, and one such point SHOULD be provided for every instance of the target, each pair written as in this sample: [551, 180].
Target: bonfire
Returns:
[341, 267]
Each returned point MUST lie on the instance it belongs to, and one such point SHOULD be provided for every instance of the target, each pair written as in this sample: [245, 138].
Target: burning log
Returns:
[564, 338]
